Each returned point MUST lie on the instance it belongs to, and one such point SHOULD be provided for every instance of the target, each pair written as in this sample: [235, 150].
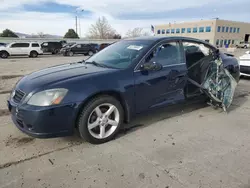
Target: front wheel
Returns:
[4, 55]
[100, 119]
[55, 51]
[70, 54]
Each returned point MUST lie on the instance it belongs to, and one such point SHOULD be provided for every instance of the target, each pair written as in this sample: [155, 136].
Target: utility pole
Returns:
[80, 32]
[76, 24]
[79, 21]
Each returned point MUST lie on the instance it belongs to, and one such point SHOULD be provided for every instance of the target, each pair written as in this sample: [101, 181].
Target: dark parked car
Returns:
[51, 47]
[2, 44]
[85, 49]
[97, 46]
[97, 96]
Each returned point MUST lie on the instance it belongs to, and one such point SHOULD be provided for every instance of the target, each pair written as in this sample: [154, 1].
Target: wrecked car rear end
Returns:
[219, 85]
[214, 73]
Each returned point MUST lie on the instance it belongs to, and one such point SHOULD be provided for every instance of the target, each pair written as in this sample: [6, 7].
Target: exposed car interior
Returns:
[198, 59]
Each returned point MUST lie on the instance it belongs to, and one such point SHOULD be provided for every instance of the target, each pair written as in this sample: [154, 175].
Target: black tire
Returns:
[245, 46]
[4, 55]
[82, 123]
[55, 51]
[70, 53]
[33, 54]
[90, 53]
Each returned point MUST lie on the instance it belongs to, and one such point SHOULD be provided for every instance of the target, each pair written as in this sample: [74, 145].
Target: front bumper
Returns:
[44, 122]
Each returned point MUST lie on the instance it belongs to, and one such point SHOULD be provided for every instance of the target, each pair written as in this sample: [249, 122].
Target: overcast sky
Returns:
[57, 16]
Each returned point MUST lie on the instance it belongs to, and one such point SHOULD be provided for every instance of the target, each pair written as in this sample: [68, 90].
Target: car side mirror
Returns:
[151, 66]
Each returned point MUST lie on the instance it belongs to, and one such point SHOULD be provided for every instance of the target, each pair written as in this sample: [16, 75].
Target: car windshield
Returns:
[121, 54]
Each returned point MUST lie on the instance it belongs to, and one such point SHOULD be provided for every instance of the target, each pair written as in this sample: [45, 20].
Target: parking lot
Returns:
[189, 145]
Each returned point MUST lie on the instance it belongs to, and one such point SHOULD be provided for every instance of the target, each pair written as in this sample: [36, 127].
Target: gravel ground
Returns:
[190, 146]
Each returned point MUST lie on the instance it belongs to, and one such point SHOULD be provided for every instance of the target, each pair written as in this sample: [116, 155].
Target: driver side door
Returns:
[16, 49]
[77, 49]
[157, 88]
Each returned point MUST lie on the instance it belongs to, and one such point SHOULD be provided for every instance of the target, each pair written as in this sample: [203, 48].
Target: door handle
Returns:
[180, 76]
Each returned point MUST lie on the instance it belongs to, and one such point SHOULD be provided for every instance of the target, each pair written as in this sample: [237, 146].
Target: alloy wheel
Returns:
[103, 121]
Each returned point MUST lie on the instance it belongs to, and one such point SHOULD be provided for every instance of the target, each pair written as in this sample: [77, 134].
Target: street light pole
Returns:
[80, 32]
[78, 10]
[76, 24]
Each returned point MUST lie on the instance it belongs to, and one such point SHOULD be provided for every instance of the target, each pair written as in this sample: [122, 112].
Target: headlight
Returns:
[48, 97]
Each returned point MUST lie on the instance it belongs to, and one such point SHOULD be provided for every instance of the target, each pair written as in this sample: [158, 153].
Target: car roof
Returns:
[22, 42]
[162, 38]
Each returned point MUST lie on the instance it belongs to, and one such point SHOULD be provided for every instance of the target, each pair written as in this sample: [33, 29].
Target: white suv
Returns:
[32, 49]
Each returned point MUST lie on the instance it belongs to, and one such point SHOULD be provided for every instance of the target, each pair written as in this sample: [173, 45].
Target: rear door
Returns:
[36, 46]
[25, 48]
[165, 86]
[85, 48]
[198, 58]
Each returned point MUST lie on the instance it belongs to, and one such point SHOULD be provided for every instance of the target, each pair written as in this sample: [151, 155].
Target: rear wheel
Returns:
[100, 119]
[70, 54]
[33, 54]
[90, 53]
[55, 51]
[4, 54]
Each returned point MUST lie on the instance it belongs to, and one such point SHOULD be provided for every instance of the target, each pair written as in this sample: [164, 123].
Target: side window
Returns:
[196, 52]
[79, 46]
[20, 45]
[165, 54]
[25, 45]
[16, 45]
[35, 45]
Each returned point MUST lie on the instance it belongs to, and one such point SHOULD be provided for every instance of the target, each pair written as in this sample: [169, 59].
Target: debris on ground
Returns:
[51, 161]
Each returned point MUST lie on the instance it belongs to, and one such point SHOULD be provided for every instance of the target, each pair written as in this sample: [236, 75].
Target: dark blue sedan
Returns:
[98, 95]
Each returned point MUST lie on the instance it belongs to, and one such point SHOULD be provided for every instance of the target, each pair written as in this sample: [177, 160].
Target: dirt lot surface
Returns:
[190, 145]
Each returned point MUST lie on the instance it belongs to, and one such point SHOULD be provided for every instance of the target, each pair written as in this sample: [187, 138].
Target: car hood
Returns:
[43, 78]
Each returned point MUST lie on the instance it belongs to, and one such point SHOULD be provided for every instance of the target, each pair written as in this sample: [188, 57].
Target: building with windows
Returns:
[217, 32]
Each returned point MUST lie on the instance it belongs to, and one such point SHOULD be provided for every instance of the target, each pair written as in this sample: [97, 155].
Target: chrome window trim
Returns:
[165, 66]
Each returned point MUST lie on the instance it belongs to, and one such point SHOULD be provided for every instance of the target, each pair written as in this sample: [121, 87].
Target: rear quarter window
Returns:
[35, 45]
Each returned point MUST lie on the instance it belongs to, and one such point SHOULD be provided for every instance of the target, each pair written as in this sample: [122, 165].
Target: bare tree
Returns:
[136, 32]
[41, 34]
[101, 29]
